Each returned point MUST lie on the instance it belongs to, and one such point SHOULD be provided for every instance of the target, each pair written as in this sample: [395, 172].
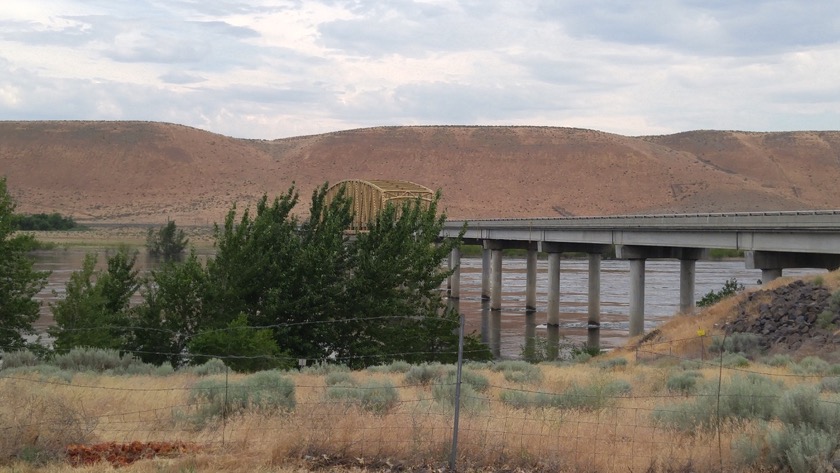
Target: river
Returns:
[506, 331]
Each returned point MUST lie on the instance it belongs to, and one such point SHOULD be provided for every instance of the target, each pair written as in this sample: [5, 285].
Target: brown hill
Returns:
[147, 172]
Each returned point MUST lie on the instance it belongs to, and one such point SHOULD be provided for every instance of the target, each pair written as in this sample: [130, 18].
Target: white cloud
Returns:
[275, 68]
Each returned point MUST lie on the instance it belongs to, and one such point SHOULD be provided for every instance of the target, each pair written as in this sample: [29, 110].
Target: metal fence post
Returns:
[454, 453]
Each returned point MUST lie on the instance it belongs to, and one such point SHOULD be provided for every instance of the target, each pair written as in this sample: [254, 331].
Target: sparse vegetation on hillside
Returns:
[730, 288]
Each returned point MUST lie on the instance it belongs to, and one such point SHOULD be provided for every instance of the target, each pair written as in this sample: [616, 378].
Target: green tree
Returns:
[252, 258]
[366, 300]
[171, 313]
[169, 242]
[19, 282]
[310, 297]
[394, 289]
[244, 348]
[94, 311]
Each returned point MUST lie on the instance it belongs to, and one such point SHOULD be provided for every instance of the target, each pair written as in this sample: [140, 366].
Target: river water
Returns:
[506, 331]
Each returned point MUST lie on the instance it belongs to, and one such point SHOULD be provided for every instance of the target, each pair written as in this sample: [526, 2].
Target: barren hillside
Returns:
[147, 172]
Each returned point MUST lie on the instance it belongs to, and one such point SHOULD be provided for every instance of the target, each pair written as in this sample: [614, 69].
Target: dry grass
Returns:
[41, 415]
[326, 434]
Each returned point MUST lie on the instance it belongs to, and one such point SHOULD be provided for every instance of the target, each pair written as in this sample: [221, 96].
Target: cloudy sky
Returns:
[273, 69]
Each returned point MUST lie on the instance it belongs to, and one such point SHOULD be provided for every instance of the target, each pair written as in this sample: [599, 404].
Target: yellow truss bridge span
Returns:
[370, 197]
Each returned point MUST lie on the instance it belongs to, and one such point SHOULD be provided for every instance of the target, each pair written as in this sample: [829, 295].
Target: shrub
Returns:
[735, 360]
[102, 360]
[398, 366]
[270, 390]
[339, 377]
[730, 287]
[615, 363]
[747, 397]
[263, 391]
[830, 385]
[520, 372]
[210, 367]
[802, 449]
[802, 406]
[683, 383]
[590, 397]
[826, 320]
[689, 365]
[738, 342]
[811, 365]
[779, 360]
[324, 368]
[165, 369]
[374, 396]
[424, 373]
[471, 401]
[516, 399]
[744, 398]
[746, 453]
[807, 440]
[245, 348]
[478, 381]
[16, 359]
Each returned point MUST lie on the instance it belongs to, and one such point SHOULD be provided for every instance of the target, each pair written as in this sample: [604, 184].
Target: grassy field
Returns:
[668, 401]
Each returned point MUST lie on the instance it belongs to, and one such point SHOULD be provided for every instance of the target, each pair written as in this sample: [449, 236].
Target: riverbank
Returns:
[105, 235]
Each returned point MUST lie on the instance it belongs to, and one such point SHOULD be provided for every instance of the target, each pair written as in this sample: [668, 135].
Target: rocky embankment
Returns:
[801, 318]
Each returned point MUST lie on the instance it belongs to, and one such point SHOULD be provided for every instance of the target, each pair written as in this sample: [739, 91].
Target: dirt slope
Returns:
[147, 172]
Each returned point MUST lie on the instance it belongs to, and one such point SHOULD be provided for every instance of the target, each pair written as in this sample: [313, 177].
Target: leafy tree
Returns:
[94, 311]
[171, 313]
[314, 288]
[318, 293]
[396, 283]
[19, 282]
[368, 300]
[244, 348]
[168, 242]
[252, 258]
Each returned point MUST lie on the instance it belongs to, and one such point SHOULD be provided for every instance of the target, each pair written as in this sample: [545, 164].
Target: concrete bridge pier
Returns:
[495, 247]
[485, 272]
[637, 256]
[531, 279]
[771, 263]
[455, 277]
[554, 251]
[593, 324]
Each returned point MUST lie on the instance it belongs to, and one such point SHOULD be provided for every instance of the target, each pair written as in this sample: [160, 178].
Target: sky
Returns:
[272, 69]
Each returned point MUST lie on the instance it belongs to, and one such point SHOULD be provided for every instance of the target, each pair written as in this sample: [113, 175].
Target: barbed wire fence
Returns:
[606, 417]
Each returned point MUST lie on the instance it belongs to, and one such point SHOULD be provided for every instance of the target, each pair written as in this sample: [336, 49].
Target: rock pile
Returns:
[789, 318]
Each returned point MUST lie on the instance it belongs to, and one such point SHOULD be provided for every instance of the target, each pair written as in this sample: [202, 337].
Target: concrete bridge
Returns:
[772, 241]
